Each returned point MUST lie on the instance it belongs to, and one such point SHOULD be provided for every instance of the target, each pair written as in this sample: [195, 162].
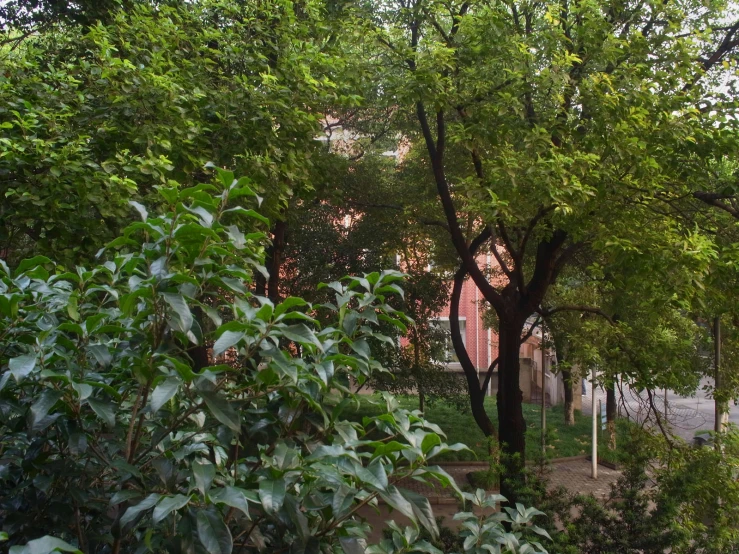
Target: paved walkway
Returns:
[572, 474]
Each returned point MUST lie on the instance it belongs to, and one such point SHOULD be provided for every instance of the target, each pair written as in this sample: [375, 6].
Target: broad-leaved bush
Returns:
[152, 403]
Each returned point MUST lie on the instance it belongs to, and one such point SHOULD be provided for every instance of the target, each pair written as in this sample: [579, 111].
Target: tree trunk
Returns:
[477, 396]
[611, 409]
[417, 370]
[511, 424]
[198, 353]
[273, 262]
[275, 265]
[560, 345]
[569, 407]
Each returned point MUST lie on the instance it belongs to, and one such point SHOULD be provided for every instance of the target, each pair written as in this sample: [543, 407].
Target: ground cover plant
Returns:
[117, 435]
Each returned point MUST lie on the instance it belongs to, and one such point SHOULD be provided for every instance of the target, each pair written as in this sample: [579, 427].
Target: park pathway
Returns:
[571, 473]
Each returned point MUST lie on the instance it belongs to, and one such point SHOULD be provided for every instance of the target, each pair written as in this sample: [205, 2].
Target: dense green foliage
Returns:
[188, 389]
[92, 117]
[115, 439]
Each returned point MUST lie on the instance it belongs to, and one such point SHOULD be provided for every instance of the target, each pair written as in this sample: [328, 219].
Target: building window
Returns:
[448, 355]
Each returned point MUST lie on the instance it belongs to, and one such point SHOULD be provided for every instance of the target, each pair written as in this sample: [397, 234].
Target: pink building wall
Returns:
[482, 343]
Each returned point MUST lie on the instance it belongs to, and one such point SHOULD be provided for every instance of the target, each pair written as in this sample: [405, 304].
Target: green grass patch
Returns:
[459, 426]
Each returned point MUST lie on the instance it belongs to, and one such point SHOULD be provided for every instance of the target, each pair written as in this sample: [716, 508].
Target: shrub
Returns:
[153, 404]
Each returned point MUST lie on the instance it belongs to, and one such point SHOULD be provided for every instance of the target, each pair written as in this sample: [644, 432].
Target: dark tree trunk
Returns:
[611, 409]
[477, 395]
[273, 262]
[198, 353]
[417, 371]
[511, 424]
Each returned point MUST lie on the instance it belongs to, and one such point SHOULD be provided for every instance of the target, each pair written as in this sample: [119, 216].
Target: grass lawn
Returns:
[459, 426]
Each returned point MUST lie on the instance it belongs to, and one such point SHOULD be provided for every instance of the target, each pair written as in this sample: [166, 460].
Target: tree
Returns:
[548, 128]
[94, 116]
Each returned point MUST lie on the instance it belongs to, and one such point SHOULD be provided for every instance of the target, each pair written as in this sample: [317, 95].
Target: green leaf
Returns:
[101, 354]
[394, 498]
[180, 307]
[231, 496]
[292, 507]
[30, 263]
[134, 511]
[167, 505]
[213, 533]
[140, 208]
[429, 441]
[353, 545]
[361, 347]
[72, 308]
[163, 392]
[248, 213]
[104, 409]
[272, 494]
[539, 531]
[123, 496]
[213, 314]
[206, 218]
[374, 476]
[40, 409]
[343, 499]
[222, 410]
[44, 545]
[289, 302]
[204, 473]
[302, 335]
[226, 341]
[423, 511]
[226, 176]
[22, 366]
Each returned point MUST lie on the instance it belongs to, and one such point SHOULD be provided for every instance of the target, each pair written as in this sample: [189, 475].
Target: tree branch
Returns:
[714, 199]
[541, 214]
[489, 375]
[547, 312]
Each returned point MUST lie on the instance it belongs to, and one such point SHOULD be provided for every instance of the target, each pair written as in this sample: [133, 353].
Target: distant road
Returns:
[686, 415]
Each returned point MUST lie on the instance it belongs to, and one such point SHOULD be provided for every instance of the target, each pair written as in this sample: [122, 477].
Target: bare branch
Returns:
[665, 434]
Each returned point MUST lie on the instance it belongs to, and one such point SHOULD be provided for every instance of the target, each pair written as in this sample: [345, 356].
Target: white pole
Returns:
[490, 359]
[543, 401]
[596, 414]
